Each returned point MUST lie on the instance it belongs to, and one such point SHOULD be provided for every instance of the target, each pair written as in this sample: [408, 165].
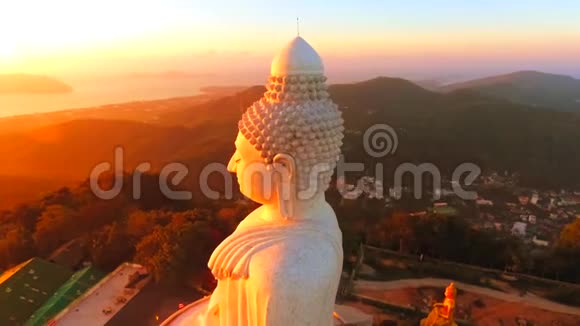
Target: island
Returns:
[31, 84]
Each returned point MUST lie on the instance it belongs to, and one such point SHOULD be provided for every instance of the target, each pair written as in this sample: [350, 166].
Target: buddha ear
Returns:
[285, 168]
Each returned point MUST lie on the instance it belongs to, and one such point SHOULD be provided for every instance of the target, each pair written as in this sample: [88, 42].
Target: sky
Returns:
[357, 39]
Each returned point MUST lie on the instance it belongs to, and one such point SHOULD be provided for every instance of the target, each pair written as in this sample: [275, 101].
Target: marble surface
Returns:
[193, 314]
[297, 58]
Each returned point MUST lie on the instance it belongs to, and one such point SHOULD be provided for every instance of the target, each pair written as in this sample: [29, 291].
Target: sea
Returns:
[104, 90]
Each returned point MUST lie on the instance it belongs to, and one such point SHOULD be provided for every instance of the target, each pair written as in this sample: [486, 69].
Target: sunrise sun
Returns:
[7, 51]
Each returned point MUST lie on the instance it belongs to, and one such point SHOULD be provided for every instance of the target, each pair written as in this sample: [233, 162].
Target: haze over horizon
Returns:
[112, 52]
[426, 40]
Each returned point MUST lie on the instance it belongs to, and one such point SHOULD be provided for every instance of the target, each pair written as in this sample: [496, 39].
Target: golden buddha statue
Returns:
[443, 314]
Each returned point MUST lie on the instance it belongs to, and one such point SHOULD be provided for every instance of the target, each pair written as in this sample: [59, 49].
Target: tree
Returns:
[98, 213]
[111, 246]
[180, 250]
[156, 251]
[570, 236]
[16, 247]
[26, 215]
[56, 225]
[564, 262]
[63, 196]
[141, 223]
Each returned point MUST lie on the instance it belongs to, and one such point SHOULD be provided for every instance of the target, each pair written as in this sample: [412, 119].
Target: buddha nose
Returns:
[232, 165]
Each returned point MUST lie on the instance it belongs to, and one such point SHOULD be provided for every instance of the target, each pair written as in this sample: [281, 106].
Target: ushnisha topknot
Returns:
[296, 117]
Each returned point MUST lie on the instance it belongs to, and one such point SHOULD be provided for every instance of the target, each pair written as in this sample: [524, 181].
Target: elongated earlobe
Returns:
[285, 168]
[286, 205]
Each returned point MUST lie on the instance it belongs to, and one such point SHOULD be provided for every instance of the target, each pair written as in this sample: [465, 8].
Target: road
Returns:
[529, 299]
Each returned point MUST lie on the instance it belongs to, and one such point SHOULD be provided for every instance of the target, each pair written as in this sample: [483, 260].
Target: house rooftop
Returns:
[109, 296]
[25, 287]
[74, 287]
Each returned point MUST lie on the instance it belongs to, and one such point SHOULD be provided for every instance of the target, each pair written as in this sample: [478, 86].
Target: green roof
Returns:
[76, 285]
[26, 287]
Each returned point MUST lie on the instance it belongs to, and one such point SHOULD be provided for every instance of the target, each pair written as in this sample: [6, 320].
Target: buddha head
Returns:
[289, 141]
[450, 291]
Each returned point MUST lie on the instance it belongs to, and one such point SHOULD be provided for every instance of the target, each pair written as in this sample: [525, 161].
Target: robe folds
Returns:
[276, 274]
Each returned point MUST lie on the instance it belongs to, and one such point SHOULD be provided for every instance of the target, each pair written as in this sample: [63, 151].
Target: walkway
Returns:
[529, 299]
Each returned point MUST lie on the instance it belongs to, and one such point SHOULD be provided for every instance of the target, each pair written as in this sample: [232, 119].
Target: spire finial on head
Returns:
[297, 26]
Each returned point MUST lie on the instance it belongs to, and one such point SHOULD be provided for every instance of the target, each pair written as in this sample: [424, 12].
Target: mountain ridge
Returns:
[443, 129]
[529, 87]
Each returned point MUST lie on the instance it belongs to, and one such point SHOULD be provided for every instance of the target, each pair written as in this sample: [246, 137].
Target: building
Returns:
[483, 202]
[27, 287]
[443, 192]
[154, 303]
[535, 198]
[519, 229]
[569, 201]
[540, 242]
[76, 285]
[446, 211]
[71, 254]
[351, 316]
[109, 296]
[524, 200]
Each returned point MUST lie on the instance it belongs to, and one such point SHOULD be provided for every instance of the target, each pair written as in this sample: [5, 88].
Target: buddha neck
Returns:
[303, 210]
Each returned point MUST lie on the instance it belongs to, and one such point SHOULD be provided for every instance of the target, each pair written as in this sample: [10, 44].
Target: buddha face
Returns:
[263, 183]
[450, 292]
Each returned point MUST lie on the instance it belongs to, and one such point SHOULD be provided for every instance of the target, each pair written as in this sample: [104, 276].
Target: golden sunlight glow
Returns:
[64, 36]
[7, 51]
[94, 27]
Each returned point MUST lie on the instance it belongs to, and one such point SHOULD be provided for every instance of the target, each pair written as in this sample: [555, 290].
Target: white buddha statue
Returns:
[282, 264]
